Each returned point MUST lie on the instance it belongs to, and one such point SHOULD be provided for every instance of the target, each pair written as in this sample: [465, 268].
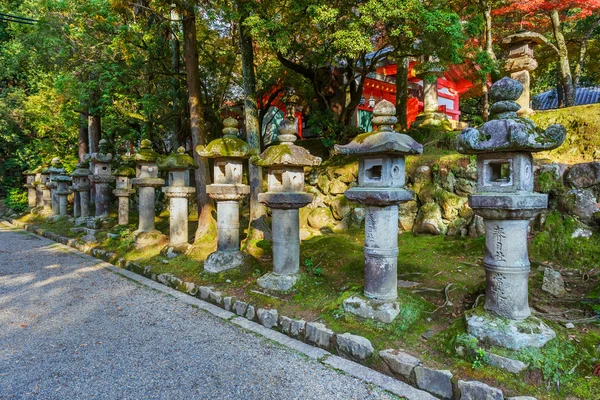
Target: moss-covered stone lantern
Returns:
[37, 184]
[506, 201]
[55, 170]
[285, 181]
[381, 180]
[229, 153]
[81, 189]
[123, 176]
[62, 191]
[147, 180]
[46, 193]
[101, 178]
[429, 72]
[30, 186]
[178, 192]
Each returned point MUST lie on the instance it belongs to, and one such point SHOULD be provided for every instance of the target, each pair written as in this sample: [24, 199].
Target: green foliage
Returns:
[555, 243]
[16, 200]
[312, 269]
[555, 360]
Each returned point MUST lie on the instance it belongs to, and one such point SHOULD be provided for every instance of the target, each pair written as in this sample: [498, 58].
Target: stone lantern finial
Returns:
[287, 132]
[384, 116]
[230, 127]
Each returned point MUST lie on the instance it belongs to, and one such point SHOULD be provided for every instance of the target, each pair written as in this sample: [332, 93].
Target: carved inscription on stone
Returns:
[499, 236]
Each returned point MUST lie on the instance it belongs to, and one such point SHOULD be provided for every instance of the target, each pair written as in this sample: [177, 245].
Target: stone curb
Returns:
[136, 273]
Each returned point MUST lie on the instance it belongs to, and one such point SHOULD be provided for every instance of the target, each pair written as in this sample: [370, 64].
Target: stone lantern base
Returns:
[383, 311]
[276, 282]
[220, 261]
[508, 333]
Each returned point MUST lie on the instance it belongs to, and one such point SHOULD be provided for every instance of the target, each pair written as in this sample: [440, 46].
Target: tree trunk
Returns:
[206, 224]
[258, 228]
[94, 132]
[563, 55]
[83, 136]
[583, 52]
[402, 92]
[177, 103]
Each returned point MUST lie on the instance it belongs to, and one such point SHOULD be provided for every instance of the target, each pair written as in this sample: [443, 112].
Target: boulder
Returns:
[321, 217]
[340, 207]
[580, 202]
[450, 203]
[337, 187]
[446, 178]
[429, 220]
[464, 187]
[583, 175]
[346, 173]
[422, 175]
[407, 213]
[458, 227]
[323, 183]
[477, 227]
[553, 282]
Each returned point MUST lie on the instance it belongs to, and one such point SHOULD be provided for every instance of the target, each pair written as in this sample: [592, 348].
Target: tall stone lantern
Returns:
[381, 180]
[55, 170]
[81, 189]
[521, 62]
[123, 176]
[30, 186]
[506, 201]
[229, 154]
[147, 180]
[178, 192]
[38, 189]
[46, 193]
[101, 178]
[285, 181]
[430, 72]
[62, 191]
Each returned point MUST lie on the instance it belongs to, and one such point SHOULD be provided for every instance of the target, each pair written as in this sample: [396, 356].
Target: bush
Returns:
[16, 200]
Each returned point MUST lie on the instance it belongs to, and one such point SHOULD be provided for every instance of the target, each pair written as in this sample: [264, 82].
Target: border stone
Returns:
[401, 363]
[436, 382]
[267, 318]
[240, 307]
[507, 364]
[250, 313]
[227, 302]
[285, 323]
[319, 334]
[298, 328]
[354, 346]
[475, 390]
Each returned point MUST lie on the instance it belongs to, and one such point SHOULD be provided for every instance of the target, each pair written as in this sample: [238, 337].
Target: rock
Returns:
[358, 215]
[504, 106]
[205, 292]
[341, 208]
[220, 261]
[407, 284]
[580, 202]
[368, 309]
[505, 89]
[407, 214]
[400, 363]
[507, 364]
[356, 347]
[569, 325]
[428, 334]
[320, 217]
[477, 227]
[215, 296]
[583, 175]
[191, 288]
[429, 220]
[446, 179]
[347, 173]
[318, 334]
[581, 233]
[276, 282]
[510, 334]
[337, 187]
[475, 390]
[250, 313]
[297, 327]
[285, 323]
[436, 382]
[422, 175]
[227, 302]
[464, 187]
[450, 204]
[553, 282]
[323, 183]
[240, 307]
[458, 227]
[267, 318]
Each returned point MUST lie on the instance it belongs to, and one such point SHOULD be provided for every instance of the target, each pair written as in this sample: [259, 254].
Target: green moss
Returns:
[547, 183]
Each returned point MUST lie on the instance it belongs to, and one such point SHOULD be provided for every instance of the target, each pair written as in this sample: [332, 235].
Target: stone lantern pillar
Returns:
[521, 62]
[381, 180]
[81, 190]
[62, 192]
[101, 178]
[30, 186]
[55, 170]
[430, 115]
[506, 201]
[123, 176]
[46, 193]
[178, 192]
[146, 180]
[229, 154]
[37, 180]
[285, 195]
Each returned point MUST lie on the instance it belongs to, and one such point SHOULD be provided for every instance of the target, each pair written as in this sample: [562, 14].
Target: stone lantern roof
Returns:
[63, 178]
[37, 170]
[56, 166]
[505, 131]
[125, 168]
[384, 140]
[177, 161]
[146, 153]
[286, 153]
[227, 146]
[82, 169]
[102, 156]
[523, 37]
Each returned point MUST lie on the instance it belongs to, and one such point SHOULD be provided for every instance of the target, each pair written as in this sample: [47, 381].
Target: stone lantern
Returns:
[506, 201]
[178, 192]
[62, 191]
[229, 154]
[429, 73]
[81, 190]
[146, 180]
[285, 195]
[521, 62]
[381, 180]
[30, 185]
[101, 178]
[55, 170]
[46, 193]
[123, 176]
[37, 180]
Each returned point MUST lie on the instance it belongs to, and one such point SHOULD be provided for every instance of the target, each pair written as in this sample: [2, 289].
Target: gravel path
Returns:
[70, 329]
